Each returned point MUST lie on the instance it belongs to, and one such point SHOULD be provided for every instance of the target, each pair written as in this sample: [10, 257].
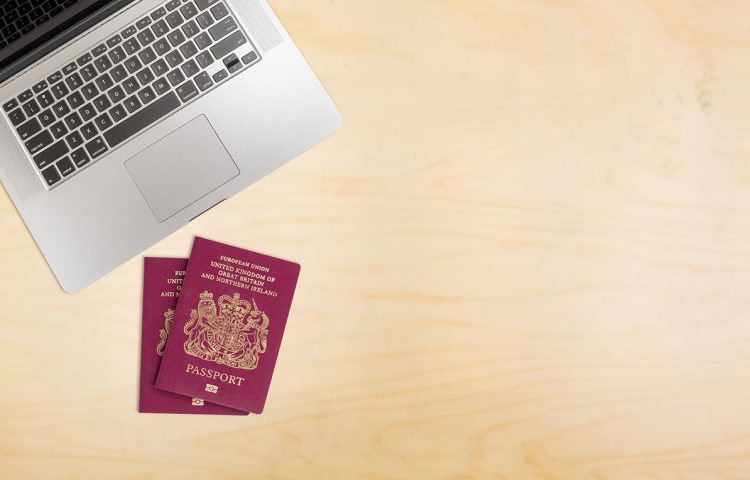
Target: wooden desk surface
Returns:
[526, 256]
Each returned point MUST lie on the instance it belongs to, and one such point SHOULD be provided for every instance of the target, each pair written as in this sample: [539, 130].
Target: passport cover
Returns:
[162, 281]
[228, 326]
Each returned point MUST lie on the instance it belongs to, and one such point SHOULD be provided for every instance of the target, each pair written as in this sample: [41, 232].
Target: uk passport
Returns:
[228, 326]
[162, 282]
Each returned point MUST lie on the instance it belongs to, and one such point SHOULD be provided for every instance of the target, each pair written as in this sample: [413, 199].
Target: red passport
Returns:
[162, 282]
[228, 326]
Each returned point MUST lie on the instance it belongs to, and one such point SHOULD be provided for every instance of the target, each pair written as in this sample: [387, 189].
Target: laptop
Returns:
[123, 120]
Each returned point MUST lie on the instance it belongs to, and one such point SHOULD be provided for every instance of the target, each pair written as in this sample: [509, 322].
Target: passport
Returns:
[162, 282]
[228, 326]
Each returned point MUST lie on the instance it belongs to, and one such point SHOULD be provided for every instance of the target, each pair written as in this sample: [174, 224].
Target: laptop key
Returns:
[83, 60]
[144, 118]
[132, 104]
[75, 100]
[61, 109]
[70, 68]
[74, 81]
[87, 112]
[188, 49]
[174, 19]
[46, 99]
[145, 76]
[147, 95]
[160, 68]
[54, 78]
[131, 46]
[204, 4]
[25, 96]
[74, 140]
[143, 23]
[220, 11]
[10, 105]
[88, 73]
[118, 113]
[96, 148]
[51, 154]
[114, 41]
[188, 10]
[89, 91]
[190, 68]
[187, 91]
[146, 37]
[73, 121]
[232, 63]
[104, 82]
[174, 58]
[17, 117]
[223, 28]
[40, 87]
[204, 59]
[160, 28]
[205, 20]
[147, 55]
[79, 157]
[172, 5]
[65, 166]
[58, 130]
[51, 177]
[203, 41]
[117, 55]
[176, 38]
[103, 122]
[29, 129]
[31, 108]
[103, 64]
[119, 73]
[89, 131]
[162, 46]
[129, 32]
[220, 75]
[47, 118]
[191, 29]
[161, 86]
[133, 64]
[204, 81]
[39, 142]
[102, 103]
[116, 94]
[159, 13]
[228, 45]
[131, 85]
[99, 50]
[176, 77]
[249, 58]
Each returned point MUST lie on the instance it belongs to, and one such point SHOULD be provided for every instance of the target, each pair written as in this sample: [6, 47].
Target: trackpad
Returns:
[182, 168]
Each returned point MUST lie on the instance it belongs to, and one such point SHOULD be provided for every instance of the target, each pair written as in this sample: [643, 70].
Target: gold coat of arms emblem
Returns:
[164, 332]
[234, 336]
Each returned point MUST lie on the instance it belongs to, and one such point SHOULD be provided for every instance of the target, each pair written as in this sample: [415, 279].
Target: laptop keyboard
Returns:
[106, 96]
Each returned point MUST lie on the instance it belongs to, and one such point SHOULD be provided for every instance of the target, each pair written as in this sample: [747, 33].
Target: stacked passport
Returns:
[212, 328]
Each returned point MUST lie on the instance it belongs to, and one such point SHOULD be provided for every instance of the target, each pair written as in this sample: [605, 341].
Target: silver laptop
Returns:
[124, 120]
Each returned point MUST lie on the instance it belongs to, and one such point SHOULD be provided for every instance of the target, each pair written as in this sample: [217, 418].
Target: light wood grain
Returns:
[526, 257]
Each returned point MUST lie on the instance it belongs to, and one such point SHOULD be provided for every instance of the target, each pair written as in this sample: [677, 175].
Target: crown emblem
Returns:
[232, 332]
[164, 332]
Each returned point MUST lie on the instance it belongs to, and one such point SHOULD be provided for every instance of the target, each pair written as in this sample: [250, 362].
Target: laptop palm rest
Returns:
[182, 168]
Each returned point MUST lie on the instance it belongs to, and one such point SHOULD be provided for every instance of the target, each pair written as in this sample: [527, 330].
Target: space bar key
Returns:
[142, 119]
